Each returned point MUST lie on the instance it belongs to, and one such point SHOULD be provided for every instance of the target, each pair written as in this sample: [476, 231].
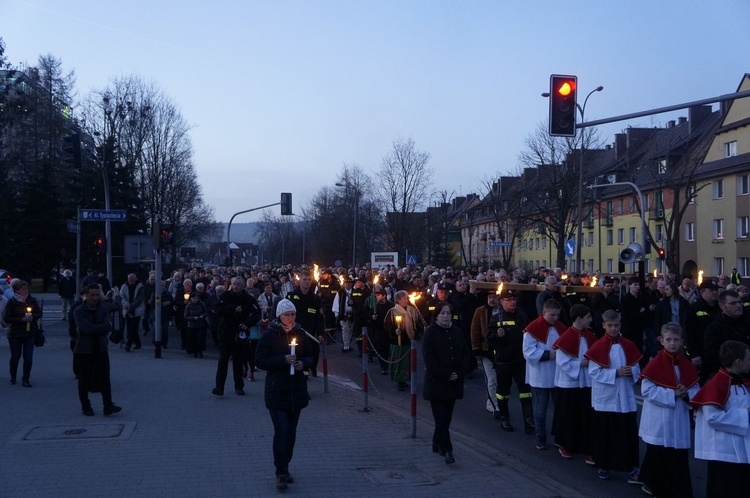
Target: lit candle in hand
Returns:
[398, 325]
[28, 324]
[292, 345]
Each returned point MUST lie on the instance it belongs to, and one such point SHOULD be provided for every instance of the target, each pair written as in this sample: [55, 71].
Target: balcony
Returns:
[608, 220]
[588, 222]
[656, 214]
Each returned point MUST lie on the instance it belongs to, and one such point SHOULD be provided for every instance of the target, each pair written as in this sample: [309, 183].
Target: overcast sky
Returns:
[281, 94]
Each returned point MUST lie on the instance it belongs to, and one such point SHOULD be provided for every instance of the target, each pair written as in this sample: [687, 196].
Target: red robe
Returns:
[599, 352]
[716, 391]
[570, 340]
[539, 329]
[660, 370]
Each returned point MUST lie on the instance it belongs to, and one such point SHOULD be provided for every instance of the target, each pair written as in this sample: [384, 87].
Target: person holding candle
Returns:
[133, 307]
[22, 314]
[403, 325]
[284, 352]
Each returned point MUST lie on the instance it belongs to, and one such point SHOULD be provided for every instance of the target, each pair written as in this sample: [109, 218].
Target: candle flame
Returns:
[700, 277]
[294, 342]
[564, 276]
[186, 296]
[398, 319]
[593, 281]
[316, 272]
[28, 309]
[342, 280]
[499, 289]
[413, 297]
[376, 280]
[296, 277]
[655, 274]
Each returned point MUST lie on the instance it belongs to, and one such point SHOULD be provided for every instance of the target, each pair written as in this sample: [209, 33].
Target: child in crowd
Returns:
[614, 370]
[669, 381]
[573, 413]
[538, 338]
[722, 425]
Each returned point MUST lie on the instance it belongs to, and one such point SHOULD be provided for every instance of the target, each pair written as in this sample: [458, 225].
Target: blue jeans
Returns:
[540, 397]
[284, 436]
[17, 346]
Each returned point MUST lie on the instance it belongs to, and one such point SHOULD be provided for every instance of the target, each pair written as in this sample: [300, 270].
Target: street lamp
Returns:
[346, 185]
[579, 235]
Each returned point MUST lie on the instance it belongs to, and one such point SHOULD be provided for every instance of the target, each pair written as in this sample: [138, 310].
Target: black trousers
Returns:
[442, 412]
[667, 472]
[284, 436]
[132, 323]
[93, 370]
[237, 353]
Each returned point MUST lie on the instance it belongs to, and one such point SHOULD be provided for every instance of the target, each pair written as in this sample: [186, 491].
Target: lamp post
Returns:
[105, 177]
[356, 214]
[582, 110]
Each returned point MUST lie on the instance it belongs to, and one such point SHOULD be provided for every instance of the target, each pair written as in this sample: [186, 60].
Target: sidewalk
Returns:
[173, 438]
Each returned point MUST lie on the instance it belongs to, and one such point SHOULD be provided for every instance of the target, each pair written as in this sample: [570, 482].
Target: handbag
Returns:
[116, 336]
[39, 338]
[254, 333]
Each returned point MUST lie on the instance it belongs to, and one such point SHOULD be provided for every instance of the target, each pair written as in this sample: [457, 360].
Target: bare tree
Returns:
[405, 180]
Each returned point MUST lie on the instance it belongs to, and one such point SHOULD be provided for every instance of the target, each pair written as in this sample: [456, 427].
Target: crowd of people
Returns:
[579, 342]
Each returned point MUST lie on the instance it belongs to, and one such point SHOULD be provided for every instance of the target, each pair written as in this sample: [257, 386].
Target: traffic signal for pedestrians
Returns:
[165, 234]
[100, 243]
[286, 203]
[661, 253]
[562, 105]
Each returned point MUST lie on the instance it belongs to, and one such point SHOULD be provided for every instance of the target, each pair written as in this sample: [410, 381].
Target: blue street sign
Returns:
[103, 215]
[72, 226]
[500, 244]
[570, 248]
[411, 259]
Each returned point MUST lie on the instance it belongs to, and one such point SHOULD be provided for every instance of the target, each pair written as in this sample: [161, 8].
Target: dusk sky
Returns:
[281, 94]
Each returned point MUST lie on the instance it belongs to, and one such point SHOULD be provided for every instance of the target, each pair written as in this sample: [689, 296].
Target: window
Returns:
[743, 267]
[544, 244]
[719, 231]
[620, 236]
[646, 202]
[730, 148]
[591, 239]
[662, 166]
[743, 227]
[690, 231]
[659, 204]
[620, 206]
[609, 237]
[591, 265]
[718, 189]
[544, 263]
[692, 193]
[632, 235]
[743, 185]
[659, 233]
[632, 206]
[610, 266]
[718, 266]
[609, 213]
[536, 243]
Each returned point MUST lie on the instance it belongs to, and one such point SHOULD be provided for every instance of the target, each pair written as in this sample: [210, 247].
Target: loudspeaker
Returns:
[631, 253]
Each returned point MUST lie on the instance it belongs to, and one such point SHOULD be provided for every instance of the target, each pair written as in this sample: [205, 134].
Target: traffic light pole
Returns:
[159, 284]
[286, 209]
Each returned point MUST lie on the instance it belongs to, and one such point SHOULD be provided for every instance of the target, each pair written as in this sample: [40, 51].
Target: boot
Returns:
[502, 406]
[528, 416]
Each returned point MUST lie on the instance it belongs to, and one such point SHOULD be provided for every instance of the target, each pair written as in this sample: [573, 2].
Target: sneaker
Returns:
[602, 474]
[647, 490]
[635, 477]
[563, 452]
[541, 442]
[589, 460]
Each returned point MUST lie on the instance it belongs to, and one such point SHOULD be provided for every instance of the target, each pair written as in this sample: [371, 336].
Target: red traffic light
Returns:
[562, 105]
[661, 252]
[565, 87]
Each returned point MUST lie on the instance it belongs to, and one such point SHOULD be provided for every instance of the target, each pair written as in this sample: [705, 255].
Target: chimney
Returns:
[681, 120]
[697, 115]
[620, 145]
[670, 123]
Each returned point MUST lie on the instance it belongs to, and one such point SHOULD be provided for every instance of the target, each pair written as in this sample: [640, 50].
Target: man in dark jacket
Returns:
[285, 392]
[730, 325]
[309, 314]
[90, 352]
[237, 311]
[702, 313]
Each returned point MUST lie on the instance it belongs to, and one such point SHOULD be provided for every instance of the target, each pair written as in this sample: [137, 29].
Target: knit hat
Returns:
[284, 306]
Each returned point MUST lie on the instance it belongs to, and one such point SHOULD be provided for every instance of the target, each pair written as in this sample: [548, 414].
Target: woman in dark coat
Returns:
[446, 358]
[673, 308]
[22, 314]
[285, 391]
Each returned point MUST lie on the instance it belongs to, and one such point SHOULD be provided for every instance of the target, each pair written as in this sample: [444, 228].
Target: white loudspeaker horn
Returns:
[631, 254]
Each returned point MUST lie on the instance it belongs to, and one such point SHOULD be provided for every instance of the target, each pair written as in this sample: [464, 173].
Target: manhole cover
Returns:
[37, 433]
[402, 476]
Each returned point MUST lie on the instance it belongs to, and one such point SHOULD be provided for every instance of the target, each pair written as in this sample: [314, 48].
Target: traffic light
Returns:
[100, 243]
[562, 105]
[661, 253]
[165, 234]
[286, 203]
[72, 148]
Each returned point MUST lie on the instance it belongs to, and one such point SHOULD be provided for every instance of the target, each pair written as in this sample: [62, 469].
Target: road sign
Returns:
[103, 215]
[71, 226]
[500, 244]
[570, 248]
[411, 259]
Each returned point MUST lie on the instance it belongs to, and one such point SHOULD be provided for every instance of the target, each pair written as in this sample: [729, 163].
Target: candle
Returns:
[655, 273]
[593, 281]
[186, 296]
[28, 324]
[375, 280]
[292, 345]
[398, 324]
[499, 289]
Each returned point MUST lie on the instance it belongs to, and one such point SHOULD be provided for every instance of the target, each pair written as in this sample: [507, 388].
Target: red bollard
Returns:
[324, 359]
[365, 380]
